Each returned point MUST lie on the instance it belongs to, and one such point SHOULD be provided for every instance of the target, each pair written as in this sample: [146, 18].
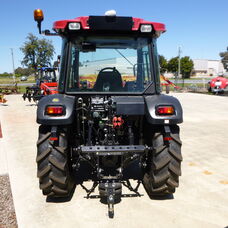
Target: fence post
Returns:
[204, 83]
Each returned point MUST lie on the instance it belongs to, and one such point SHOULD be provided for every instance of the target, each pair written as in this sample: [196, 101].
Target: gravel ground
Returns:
[7, 212]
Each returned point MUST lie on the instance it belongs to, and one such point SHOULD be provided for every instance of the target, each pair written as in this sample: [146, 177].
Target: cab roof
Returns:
[86, 25]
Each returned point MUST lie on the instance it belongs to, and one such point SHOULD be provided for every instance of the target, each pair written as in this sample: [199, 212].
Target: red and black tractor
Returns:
[218, 85]
[109, 124]
[46, 84]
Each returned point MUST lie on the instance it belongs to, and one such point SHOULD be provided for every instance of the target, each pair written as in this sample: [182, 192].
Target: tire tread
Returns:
[52, 165]
[162, 176]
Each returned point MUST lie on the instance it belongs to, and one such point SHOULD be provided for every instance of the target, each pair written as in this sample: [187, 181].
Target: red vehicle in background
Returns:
[218, 85]
[46, 84]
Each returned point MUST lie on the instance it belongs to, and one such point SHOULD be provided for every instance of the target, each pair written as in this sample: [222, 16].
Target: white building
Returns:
[122, 65]
[207, 67]
[202, 67]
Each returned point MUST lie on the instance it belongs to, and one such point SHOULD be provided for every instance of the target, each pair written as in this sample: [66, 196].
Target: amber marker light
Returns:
[38, 15]
[165, 110]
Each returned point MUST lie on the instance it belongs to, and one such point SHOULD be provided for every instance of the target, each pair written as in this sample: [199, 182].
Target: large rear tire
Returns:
[53, 168]
[163, 165]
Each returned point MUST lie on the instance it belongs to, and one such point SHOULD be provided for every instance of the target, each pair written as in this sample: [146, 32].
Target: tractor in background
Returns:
[46, 84]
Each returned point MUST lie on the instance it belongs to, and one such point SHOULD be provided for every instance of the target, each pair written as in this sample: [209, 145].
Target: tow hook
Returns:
[110, 191]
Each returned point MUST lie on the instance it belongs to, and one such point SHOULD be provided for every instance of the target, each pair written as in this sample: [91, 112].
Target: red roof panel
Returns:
[160, 27]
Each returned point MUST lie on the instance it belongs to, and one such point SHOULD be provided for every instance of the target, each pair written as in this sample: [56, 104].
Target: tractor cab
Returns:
[46, 74]
[109, 54]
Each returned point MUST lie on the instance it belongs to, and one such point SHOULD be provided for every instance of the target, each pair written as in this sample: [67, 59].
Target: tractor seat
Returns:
[108, 79]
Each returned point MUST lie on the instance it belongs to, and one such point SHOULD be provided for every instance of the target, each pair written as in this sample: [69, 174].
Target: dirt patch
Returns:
[206, 172]
[7, 212]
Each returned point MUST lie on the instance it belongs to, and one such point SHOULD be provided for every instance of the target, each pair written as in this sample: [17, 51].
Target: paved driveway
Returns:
[200, 201]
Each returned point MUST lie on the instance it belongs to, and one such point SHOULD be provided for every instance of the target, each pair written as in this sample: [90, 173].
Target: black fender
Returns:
[68, 102]
[151, 102]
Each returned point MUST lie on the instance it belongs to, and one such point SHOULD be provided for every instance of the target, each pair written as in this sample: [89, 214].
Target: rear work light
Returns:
[146, 28]
[165, 110]
[54, 110]
[74, 26]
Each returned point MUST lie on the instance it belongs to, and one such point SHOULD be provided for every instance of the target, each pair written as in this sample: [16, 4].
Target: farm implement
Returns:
[6, 90]
[167, 83]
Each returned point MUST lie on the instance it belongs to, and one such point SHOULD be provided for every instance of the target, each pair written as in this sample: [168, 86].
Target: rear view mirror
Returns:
[88, 47]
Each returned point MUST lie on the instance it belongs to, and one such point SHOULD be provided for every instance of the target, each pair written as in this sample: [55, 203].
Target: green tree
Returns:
[186, 66]
[6, 74]
[37, 52]
[24, 71]
[163, 64]
[224, 56]
[172, 65]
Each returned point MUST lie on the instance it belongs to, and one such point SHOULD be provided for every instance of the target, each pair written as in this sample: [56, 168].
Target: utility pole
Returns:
[13, 65]
[179, 64]
[178, 73]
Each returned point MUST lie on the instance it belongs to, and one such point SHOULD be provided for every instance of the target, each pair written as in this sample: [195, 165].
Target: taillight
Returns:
[54, 110]
[165, 110]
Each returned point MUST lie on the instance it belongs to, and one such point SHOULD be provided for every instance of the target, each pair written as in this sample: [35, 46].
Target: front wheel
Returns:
[163, 164]
[53, 169]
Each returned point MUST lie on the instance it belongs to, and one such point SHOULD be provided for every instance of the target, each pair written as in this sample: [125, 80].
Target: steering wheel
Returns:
[109, 69]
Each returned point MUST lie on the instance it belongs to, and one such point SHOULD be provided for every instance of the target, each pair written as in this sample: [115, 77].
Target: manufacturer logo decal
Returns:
[55, 100]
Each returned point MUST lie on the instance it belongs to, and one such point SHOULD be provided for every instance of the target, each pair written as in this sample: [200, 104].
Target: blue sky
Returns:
[200, 27]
